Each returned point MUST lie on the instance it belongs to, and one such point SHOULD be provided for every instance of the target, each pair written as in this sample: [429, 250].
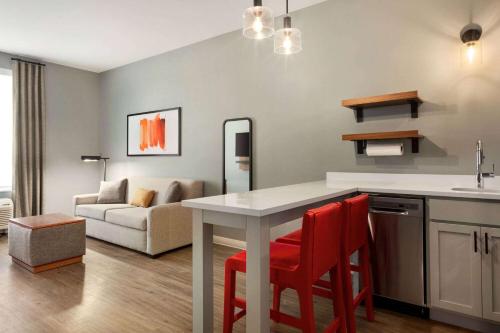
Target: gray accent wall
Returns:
[72, 130]
[352, 48]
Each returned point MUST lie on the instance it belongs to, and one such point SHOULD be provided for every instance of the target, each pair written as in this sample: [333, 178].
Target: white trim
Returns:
[234, 243]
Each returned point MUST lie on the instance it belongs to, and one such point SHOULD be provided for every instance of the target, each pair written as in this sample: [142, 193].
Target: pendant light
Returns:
[287, 40]
[471, 50]
[258, 21]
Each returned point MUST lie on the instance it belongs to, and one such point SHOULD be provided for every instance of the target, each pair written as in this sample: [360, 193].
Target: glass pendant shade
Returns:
[258, 22]
[287, 41]
[471, 53]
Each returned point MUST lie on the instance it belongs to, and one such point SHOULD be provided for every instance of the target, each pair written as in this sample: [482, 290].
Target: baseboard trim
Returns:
[471, 323]
[234, 243]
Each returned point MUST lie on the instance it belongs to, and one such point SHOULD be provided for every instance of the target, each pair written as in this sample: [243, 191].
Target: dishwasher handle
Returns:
[401, 212]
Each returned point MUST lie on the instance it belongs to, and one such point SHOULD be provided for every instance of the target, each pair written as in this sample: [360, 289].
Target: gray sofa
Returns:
[152, 230]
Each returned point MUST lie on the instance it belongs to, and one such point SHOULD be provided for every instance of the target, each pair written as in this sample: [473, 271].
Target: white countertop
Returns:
[272, 200]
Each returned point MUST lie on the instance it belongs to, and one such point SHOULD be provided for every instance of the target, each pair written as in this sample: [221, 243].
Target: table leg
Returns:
[257, 276]
[203, 288]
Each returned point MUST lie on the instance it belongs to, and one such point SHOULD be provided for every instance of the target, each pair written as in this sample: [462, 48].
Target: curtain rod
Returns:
[29, 62]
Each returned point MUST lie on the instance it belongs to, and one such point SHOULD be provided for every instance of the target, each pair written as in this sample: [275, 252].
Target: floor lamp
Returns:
[87, 158]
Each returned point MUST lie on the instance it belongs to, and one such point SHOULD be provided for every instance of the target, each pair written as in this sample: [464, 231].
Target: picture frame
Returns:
[154, 133]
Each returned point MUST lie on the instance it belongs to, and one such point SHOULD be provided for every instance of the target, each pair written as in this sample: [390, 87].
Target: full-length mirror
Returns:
[237, 155]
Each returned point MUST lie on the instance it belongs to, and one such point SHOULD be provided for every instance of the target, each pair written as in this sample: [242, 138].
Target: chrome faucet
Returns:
[480, 175]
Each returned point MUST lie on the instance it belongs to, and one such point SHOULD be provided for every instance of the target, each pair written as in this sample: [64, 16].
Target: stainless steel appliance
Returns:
[398, 257]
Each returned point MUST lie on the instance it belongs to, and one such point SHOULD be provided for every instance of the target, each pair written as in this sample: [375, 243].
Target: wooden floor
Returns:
[117, 290]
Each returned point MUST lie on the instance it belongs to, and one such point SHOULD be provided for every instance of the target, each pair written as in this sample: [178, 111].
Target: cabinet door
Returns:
[491, 273]
[455, 267]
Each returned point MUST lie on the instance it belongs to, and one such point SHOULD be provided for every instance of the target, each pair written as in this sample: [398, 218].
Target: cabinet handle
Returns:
[475, 241]
[486, 242]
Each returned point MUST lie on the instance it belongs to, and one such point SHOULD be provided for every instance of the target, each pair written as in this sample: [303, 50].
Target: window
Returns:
[6, 127]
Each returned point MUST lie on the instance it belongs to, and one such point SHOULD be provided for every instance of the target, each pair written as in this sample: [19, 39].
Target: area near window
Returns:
[6, 128]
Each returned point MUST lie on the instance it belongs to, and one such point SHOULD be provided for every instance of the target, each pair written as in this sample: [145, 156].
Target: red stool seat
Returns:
[282, 257]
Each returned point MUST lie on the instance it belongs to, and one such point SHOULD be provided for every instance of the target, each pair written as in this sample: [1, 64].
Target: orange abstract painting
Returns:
[152, 133]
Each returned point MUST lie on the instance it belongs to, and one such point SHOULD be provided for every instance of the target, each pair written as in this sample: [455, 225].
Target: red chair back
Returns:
[357, 222]
[321, 231]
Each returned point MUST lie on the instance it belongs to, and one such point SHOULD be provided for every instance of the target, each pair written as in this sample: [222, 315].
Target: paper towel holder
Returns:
[362, 138]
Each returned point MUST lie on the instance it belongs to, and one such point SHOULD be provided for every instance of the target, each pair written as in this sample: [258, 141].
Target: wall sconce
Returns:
[471, 52]
[93, 158]
[242, 151]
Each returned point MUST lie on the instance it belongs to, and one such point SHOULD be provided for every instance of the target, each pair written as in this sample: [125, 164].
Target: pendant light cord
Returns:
[287, 7]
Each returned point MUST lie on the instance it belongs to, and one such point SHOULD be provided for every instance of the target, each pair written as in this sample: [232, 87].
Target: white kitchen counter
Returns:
[257, 211]
[271, 200]
[415, 184]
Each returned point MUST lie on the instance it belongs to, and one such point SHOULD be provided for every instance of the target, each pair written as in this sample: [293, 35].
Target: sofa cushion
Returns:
[98, 211]
[174, 192]
[142, 197]
[112, 192]
[189, 188]
[134, 218]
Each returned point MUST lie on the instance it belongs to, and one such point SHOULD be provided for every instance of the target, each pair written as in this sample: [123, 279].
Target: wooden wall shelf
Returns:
[362, 138]
[401, 98]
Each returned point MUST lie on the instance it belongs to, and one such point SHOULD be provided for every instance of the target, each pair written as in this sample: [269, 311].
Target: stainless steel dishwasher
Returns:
[398, 253]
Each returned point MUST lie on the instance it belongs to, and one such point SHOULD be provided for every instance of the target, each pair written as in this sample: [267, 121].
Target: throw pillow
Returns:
[112, 192]
[142, 197]
[174, 192]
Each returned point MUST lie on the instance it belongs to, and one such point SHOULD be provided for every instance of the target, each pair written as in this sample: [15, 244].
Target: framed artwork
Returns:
[154, 133]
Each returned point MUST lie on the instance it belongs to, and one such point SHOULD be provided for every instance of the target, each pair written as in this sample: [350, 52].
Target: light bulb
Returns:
[471, 52]
[257, 25]
[287, 43]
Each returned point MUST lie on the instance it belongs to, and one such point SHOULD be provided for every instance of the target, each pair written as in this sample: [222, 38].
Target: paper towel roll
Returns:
[384, 149]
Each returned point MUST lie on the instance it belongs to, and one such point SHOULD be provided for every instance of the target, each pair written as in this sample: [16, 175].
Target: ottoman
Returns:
[40, 243]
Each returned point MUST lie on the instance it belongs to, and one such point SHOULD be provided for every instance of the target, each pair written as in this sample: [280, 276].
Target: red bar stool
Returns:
[297, 267]
[355, 238]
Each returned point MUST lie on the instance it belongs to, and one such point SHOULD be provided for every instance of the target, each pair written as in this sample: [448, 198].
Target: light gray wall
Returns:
[72, 130]
[352, 48]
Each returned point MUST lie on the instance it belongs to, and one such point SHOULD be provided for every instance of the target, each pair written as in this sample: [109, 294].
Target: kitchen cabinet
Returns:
[491, 273]
[455, 268]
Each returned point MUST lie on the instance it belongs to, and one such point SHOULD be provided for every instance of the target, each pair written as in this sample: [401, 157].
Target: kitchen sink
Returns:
[474, 189]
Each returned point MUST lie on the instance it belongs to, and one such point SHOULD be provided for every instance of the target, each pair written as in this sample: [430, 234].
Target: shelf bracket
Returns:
[414, 145]
[360, 146]
[359, 114]
[414, 109]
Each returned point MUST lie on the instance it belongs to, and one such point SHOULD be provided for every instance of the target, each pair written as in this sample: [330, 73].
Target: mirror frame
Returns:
[250, 170]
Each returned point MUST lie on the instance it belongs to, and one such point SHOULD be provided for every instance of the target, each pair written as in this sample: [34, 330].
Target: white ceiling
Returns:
[98, 35]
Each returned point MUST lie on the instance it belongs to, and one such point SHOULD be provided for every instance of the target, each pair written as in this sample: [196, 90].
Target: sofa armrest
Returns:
[84, 199]
[168, 226]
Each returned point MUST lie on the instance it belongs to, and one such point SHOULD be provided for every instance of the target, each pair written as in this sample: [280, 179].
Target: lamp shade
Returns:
[242, 144]
[287, 41]
[91, 158]
[258, 22]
